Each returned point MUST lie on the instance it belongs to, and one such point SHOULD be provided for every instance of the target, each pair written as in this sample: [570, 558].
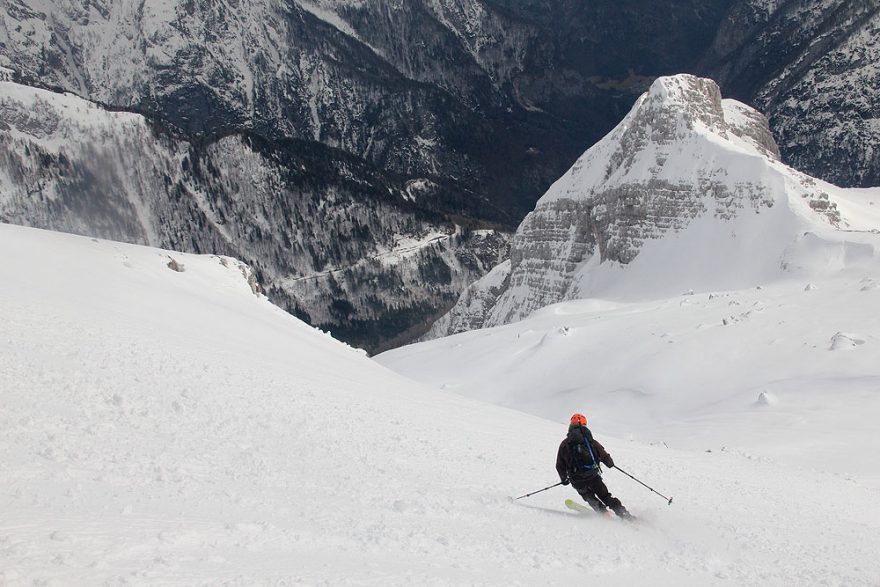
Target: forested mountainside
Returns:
[344, 246]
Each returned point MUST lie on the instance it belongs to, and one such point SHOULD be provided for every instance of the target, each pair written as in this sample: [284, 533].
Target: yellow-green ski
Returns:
[573, 505]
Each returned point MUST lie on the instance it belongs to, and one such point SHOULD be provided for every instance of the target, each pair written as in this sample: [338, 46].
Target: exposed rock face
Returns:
[682, 153]
[475, 305]
[343, 246]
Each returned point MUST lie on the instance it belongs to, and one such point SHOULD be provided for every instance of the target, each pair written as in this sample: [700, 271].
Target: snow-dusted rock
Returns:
[766, 398]
[396, 82]
[846, 340]
[868, 284]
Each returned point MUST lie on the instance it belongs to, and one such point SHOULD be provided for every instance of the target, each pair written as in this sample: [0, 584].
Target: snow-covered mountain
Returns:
[162, 424]
[390, 83]
[348, 248]
[686, 193]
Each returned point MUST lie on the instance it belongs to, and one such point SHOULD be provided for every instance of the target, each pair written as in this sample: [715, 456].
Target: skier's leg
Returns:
[598, 487]
[586, 492]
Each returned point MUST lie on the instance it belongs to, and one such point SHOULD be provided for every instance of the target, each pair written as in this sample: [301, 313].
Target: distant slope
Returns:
[786, 372]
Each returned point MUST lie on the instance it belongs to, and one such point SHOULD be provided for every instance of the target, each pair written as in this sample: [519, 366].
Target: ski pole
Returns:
[637, 481]
[539, 491]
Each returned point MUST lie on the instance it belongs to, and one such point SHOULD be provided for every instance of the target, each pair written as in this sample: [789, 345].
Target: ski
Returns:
[582, 509]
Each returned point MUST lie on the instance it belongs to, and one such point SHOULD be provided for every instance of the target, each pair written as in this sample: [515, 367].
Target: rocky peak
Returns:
[674, 105]
[677, 105]
[672, 110]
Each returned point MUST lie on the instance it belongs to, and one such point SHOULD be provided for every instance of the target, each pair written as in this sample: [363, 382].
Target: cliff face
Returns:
[682, 160]
[342, 245]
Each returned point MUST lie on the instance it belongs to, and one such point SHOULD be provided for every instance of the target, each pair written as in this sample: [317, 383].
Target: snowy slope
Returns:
[173, 428]
[689, 370]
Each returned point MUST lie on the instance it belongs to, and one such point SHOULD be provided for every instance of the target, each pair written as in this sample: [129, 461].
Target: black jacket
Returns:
[566, 463]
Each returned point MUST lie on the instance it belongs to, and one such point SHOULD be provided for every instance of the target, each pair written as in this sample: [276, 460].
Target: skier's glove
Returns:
[566, 481]
[610, 462]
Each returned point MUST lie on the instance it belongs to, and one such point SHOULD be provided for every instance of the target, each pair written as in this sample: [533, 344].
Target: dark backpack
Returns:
[583, 457]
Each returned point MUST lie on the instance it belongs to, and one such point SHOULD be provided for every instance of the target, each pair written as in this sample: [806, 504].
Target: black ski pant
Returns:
[594, 492]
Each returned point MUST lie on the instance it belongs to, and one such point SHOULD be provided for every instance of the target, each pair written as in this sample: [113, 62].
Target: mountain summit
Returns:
[688, 191]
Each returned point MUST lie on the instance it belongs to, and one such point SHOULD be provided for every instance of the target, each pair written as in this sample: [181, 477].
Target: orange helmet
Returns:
[578, 420]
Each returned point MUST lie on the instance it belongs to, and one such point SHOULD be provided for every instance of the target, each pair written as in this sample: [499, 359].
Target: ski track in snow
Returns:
[165, 428]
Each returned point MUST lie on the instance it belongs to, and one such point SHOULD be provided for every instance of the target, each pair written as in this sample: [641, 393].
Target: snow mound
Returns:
[846, 340]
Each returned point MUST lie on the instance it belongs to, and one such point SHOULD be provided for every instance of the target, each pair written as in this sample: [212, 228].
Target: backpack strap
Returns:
[589, 442]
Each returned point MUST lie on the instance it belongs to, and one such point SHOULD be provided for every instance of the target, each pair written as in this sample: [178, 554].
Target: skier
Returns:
[577, 462]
